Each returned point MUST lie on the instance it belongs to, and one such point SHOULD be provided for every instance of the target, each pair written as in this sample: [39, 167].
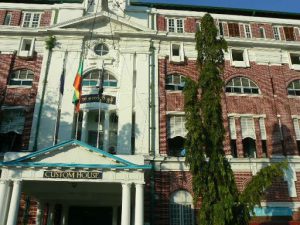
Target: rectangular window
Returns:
[262, 128]
[7, 19]
[233, 148]
[26, 47]
[276, 33]
[237, 55]
[262, 33]
[247, 30]
[177, 53]
[175, 25]
[31, 19]
[248, 128]
[289, 33]
[297, 128]
[232, 128]
[176, 126]
[12, 120]
[221, 29]
[234, 29]
[295, 59]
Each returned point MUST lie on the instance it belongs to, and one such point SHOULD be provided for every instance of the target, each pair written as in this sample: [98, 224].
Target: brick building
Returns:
[142, 52]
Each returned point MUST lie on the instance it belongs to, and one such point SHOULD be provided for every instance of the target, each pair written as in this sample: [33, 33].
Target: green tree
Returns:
[213, 178]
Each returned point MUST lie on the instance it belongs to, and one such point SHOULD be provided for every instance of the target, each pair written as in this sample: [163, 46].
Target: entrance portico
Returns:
[73, 177]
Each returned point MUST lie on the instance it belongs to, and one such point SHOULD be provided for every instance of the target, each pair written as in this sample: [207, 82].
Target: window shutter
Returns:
[248, 128]
[297, 128]
[234, 30]
[262, 127]
[232, 128]
[289, 33]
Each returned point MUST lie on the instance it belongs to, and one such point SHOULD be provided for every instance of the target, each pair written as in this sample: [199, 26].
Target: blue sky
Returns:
[292, 6]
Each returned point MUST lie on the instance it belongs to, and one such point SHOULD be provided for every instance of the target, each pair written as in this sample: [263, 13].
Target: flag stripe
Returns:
[77, 87]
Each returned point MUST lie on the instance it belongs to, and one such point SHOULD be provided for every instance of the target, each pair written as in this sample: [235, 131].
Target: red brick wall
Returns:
[267, 104]
[190, 25]
[20, 96]
[161, 23]
[46, 19]
[31, 211]
[16, 17]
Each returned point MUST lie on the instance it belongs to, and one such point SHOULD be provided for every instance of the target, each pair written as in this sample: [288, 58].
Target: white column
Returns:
[106, 131]
[39, 212]
[14, 203]
[125, 218]
[139, 204]
[84, 130]
[3, 196]
[65, 211]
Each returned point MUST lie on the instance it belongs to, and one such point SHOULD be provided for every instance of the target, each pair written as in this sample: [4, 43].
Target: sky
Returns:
[292, 6]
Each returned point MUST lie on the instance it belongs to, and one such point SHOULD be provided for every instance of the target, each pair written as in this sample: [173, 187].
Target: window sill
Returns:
[174, 92]
[244, 95]
[19, 86]
[294, 96]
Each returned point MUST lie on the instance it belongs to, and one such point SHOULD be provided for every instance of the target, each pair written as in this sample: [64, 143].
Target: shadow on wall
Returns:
[283, 141]
[126, 138]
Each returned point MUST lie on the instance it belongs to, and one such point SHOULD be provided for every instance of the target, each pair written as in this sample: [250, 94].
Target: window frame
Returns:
[241, 87]
[276, 29]
[262, 32]
[293, 89]
[5, 19]
[31, 19]
[177, 58]
[177, 87]
[294, 66]
[177, 208]
[244, 63]
[245, 31]
[21, 80]
[107, 83]
[102, 50]
[175, 25]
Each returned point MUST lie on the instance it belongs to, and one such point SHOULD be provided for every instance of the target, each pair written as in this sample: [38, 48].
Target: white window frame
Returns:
[175, 25]
[276, 33]
[178, 202]
[296, 123]
[5, 18]
[30, 22]
[180, 57]
[22, 51]
[264, 32]
[232, 128]
[247, 34]
[21, 80]
[244, 63]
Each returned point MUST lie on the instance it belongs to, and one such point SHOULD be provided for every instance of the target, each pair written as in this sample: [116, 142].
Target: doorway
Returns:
[79, 215]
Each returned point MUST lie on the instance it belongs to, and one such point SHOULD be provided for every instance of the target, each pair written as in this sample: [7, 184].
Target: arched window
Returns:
[242, 85]
[175, 82]
[181, 208]
[92, 78]
[294, 88]
[22, 77]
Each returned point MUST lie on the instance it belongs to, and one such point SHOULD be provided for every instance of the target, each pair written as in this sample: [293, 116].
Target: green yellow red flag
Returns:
[77, 87]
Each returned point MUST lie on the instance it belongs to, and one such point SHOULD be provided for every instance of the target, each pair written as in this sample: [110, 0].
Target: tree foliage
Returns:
[213, 178]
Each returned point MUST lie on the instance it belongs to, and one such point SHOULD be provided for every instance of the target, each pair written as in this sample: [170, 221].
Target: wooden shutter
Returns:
[234, 30]
[289, 33]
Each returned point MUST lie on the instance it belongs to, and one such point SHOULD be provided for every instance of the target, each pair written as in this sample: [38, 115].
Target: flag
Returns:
[77, 87]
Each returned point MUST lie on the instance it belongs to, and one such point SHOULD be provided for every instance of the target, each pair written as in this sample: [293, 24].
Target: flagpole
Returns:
[100, 92]
[61, 87]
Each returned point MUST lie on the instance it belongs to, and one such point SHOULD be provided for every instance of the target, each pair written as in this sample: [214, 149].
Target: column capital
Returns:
[4, 181]
[127, 184]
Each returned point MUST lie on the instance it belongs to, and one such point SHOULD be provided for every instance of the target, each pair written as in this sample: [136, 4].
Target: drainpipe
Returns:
[49, 46]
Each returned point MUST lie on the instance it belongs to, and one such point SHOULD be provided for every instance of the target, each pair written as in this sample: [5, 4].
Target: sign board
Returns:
[107, 99]
[67, 174]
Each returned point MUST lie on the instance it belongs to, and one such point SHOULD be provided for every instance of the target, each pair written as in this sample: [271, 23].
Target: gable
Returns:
[73, 154]
[102, 22]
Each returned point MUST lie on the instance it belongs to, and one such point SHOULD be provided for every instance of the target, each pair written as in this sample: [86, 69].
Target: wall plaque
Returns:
[107, 99]
[58, 174]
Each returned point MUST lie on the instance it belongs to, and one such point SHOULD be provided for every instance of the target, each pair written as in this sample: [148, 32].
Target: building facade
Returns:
[120, 159]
